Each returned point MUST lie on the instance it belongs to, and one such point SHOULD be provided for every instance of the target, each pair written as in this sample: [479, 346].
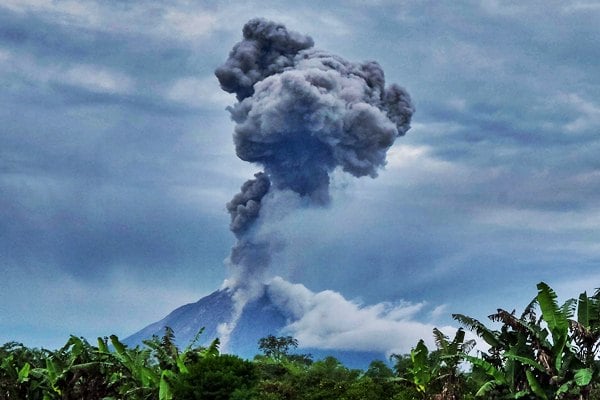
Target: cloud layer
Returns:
[116, 159]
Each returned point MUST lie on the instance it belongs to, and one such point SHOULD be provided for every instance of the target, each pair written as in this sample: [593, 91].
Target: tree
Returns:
[222, 377]
[327, 379]
[277, 347]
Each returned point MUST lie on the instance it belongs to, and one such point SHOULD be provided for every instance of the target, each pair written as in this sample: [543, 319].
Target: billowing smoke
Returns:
[301, 113]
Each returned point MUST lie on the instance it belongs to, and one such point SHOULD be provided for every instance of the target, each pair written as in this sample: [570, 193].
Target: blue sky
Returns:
[117, 160]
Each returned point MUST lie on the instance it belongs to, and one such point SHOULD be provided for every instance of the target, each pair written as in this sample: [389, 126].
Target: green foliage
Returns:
[550, 357]
[216, 378]
[17, 363]
[549, 351]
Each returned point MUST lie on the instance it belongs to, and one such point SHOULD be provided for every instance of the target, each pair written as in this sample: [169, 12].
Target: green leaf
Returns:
[24, 373]
[419, 356]
[552, 314]
[102, 347]
[485, 388]
[583, 310]
[164, 390]
[441, 340]
[212, 350]
[489, 369]
[121, 350]
[51, 369]
[526, 361]
[535, 386]
[564, 388]
[181, 365]
[193, 342]
[457, 342]
[119, 347]
[482, 331]
[583, 377]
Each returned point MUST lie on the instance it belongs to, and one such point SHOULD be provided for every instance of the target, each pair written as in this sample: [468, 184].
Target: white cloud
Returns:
[545, 221]
[96, 79]
[178, 20]
[326, 320]
[189, 25]
[411, 157]
[199, 92]
[581, 6]
[588, 114]
[65, 12]
[503, 8]
[439, 311]
[5, 55]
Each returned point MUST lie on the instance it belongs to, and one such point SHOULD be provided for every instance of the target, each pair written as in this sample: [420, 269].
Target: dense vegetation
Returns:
[549, 351]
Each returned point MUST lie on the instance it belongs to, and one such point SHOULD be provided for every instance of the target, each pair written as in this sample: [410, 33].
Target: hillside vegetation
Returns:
[549, 351]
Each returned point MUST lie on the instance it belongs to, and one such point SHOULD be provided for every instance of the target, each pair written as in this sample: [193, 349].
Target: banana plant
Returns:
[585, 337]
[536, 357]
[506, 377]
[421, 373]
[15, 378]
[138, 378]
[585, 329]
[155, 368]
[451, 354]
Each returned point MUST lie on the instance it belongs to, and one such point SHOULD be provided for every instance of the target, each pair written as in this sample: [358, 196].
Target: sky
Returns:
[117, 161]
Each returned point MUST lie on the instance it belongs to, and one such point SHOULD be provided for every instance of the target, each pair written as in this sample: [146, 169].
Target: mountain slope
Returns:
[188, 319]
[263, 316]
[259, 318]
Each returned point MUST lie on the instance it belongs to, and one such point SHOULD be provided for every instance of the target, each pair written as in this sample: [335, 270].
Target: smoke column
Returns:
[301, 113]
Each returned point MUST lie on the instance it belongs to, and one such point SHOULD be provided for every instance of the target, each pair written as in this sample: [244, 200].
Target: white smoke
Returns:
[327, 320]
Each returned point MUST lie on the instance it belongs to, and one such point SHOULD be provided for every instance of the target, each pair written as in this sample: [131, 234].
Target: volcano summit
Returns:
[301, 114]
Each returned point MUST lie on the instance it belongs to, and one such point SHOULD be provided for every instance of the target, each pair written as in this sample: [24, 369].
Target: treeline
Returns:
[549, 351]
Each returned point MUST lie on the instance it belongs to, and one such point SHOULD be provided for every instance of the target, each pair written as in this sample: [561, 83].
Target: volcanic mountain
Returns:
[271, 312]
[301, 114]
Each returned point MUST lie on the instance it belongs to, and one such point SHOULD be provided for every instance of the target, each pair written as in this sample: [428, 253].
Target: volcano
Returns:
[266, 314]
[301, 114]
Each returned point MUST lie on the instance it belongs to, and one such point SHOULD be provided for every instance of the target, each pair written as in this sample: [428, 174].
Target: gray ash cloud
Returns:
[302, 113]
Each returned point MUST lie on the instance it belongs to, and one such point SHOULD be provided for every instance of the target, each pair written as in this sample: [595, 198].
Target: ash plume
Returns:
[301, 113]
[245, 205]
